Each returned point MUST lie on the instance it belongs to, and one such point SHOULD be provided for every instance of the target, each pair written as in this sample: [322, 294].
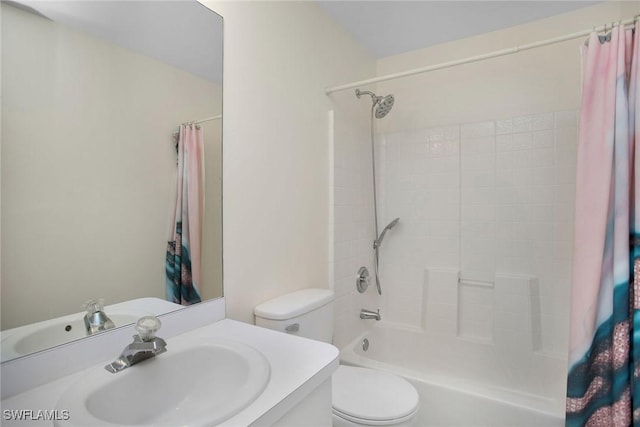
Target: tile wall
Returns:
[482, 199]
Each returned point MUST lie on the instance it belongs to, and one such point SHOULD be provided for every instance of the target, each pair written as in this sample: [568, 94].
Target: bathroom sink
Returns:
[193, 383]
[38, 336]
[54, 332]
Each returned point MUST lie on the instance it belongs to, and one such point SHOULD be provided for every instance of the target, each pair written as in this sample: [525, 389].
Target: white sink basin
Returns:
[193, 383]
[38, 336]
[54, 332]
[61, 332]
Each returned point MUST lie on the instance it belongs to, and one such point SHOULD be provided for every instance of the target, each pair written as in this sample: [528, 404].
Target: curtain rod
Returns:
[207, 119]
[476, 58]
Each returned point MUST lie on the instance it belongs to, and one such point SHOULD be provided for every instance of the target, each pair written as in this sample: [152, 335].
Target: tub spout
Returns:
[368, 314]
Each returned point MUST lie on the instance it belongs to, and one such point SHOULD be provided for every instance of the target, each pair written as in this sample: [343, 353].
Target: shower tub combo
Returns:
[493, 372]
[463, 383]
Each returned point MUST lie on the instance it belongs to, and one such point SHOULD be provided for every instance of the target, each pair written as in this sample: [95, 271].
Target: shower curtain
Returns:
[183, 273]
[603, 387]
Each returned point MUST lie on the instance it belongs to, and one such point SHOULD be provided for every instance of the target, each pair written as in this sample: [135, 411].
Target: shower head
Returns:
[378, 241]
[383, 104]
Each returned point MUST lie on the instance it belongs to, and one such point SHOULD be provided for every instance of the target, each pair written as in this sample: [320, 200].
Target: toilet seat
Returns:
[365, 422]
[371, 397]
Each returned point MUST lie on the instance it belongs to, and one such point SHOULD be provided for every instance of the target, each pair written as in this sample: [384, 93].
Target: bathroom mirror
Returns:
[92, 93]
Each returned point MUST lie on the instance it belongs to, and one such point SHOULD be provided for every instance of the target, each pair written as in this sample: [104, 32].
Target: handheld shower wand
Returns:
[376, 246]
[378, 241]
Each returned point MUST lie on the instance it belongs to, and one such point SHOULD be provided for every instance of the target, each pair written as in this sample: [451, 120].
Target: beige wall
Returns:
[88, 167]
[212, 228]
[543, 79]
[278, 58]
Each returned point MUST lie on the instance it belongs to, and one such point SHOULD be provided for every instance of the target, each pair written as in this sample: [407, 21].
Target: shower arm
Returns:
[373, 96]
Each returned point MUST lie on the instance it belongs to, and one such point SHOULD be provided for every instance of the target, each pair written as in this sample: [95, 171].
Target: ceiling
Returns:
[179, 33]
[387, 28]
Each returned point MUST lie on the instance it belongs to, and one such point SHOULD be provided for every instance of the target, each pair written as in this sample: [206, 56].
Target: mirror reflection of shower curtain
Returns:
[183, 263]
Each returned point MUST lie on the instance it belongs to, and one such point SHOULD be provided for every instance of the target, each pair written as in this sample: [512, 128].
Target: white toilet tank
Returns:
[307, 313]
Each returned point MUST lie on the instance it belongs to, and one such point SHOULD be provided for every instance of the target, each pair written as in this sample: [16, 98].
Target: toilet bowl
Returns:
[360, 396]
[368, 397]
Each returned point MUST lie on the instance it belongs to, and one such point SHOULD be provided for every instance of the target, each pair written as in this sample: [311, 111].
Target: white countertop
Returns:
[298, 366]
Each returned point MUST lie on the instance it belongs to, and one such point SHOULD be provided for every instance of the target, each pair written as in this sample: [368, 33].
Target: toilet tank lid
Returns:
[294, 304]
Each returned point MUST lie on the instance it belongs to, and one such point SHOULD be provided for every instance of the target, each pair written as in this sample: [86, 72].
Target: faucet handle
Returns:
[147, 327]
[93, 305]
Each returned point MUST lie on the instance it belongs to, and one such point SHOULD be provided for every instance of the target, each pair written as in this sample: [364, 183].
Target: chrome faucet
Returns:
[145, 345]
[96, 320]
[368, 314]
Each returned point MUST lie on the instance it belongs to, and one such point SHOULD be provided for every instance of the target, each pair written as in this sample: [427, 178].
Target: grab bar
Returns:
[465, 281]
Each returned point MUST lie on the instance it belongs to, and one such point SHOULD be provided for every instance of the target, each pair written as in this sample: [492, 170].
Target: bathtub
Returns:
[463, 383]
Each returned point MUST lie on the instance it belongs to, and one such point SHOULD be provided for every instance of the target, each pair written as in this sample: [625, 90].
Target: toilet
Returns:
[360, 396]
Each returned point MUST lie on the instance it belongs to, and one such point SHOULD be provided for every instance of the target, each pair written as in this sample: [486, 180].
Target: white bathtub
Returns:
[464, 383]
